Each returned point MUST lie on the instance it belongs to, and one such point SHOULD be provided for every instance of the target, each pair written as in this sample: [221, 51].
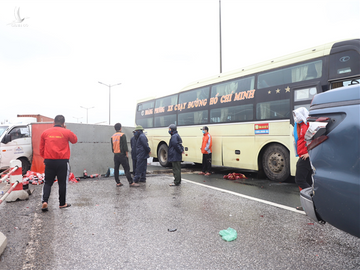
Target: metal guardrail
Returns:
[8, 174]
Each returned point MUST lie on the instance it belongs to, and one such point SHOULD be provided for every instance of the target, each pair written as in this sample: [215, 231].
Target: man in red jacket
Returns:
[55, 149]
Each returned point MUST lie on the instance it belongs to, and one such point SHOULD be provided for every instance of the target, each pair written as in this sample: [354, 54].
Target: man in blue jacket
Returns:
[133, 151]
[175, 152]
[142, 154]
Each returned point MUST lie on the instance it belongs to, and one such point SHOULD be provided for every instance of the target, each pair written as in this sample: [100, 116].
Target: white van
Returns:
[15, 143]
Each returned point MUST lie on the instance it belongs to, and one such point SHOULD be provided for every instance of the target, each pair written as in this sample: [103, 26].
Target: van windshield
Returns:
[2, 129]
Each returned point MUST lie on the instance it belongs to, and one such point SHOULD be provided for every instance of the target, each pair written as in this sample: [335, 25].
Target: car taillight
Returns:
[315, 133]
[316, 142]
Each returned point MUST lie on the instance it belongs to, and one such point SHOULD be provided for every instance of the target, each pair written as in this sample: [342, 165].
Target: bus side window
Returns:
[263, 84]
[215, 116]
[273, 109]
[193, 118]
[311, 73]
[232, 114]
[164, 121]
[198, 117]
[186, 119]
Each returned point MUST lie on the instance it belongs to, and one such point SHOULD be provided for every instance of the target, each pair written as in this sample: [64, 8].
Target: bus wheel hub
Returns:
[276, 162]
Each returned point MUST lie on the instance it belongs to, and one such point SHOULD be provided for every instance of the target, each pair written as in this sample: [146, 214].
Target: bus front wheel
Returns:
[276, 163]
[163, 155]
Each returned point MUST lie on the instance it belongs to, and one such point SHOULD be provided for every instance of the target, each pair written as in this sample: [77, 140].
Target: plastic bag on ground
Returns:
[110, 172]
[229, 234]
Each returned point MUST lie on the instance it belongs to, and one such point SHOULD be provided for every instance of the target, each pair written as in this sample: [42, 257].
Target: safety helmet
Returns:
[139, 128]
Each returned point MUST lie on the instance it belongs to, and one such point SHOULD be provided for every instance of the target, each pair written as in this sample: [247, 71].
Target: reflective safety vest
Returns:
[115, 139]
[206, 147]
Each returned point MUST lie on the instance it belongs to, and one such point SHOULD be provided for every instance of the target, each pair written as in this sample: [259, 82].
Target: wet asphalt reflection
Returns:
[284, 193]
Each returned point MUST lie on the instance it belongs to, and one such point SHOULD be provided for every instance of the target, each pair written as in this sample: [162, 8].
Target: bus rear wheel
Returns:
[276, 163]
[163, 155]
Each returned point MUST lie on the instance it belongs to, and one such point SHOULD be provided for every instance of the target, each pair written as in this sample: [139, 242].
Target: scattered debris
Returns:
[228, 235]
[33, 178]
[72, 178]
[234, 176]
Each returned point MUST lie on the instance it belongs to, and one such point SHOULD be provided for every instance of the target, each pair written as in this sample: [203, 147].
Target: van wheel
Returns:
[162, 155]
[25, 165]
[276, 163]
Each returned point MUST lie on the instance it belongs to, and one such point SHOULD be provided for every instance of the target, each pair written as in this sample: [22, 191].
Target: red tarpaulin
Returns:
[37, 129]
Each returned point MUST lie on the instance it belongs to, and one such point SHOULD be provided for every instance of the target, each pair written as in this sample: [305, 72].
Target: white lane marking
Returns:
[248, 197]
[34, 243]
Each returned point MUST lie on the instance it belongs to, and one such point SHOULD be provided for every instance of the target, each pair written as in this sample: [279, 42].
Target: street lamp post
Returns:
[220, 36]
[87, 111]
[109, 96]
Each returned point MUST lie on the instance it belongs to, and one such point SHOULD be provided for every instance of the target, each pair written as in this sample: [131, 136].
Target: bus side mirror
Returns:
[6, 139]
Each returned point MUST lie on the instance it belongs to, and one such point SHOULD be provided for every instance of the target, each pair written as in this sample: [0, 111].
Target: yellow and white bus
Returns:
[249, 111]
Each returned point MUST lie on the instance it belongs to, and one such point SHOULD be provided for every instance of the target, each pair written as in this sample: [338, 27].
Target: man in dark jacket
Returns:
[133, 151]
[175, 152]
[120, 150]
[142, 154]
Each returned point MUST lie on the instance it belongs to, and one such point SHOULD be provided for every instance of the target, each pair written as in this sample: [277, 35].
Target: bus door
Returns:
[191, 138]
[302, 95]
[238, 147]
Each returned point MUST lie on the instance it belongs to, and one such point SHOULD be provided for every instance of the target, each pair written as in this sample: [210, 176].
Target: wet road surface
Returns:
[128, 228]
[284, 193]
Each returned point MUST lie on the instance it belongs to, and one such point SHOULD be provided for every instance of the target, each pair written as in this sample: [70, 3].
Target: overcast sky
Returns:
[52, 61]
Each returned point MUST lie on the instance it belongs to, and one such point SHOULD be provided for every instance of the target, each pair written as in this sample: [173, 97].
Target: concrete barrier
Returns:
[18, 193]
[3, 242]
[93, 149]
[15, 179]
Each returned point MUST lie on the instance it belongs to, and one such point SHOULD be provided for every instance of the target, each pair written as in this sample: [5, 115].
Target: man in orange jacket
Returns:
[206, 150]
[55, 149]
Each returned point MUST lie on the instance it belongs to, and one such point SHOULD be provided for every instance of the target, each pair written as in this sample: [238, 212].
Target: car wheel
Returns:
[162, 155]
[276, 163]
